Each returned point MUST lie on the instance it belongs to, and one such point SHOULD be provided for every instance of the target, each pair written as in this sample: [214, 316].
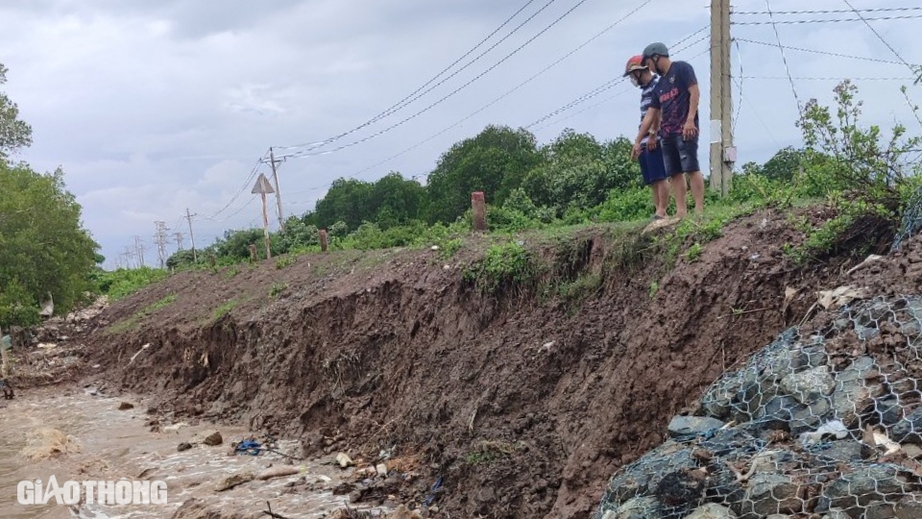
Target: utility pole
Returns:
[275, 180]
[723, 153]
[139, 250]
[160, 240]
[178, 236]
[191, 236]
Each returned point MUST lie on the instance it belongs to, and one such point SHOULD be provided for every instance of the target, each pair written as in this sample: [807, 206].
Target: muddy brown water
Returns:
[108, 444]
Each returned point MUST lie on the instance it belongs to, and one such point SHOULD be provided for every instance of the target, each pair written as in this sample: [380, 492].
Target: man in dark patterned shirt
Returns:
[675, 102]
[650, 155]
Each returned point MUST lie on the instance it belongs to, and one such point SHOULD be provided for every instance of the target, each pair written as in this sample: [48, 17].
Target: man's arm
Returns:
[649, 120]
[690, 129]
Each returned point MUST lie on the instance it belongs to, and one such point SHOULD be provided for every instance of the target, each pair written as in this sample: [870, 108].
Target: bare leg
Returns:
[664, 194]
[660, 196]
[697, 187]
[679, 190]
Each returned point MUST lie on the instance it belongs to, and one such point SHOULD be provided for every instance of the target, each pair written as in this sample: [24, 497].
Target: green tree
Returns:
[235, 245]
[43, 247]
[578, 172]
[346, 200]
[496, 161]
[14, 133]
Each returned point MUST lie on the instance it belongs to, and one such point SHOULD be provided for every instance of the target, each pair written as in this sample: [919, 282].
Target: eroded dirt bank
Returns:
[522, 405]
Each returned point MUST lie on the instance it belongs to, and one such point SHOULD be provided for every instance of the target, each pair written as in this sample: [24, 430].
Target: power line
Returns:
[821, 52]
[617, 93]
[444, 98]
[410, 98]
[832, 11]
[832, 20]
[758, 116]
[601, 88]
[513, 90]
[246, 183]
[832, 78]
[879, 37]
[784, 58]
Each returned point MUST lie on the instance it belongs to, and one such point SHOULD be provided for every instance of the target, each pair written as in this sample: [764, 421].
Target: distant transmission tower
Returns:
[160, 238]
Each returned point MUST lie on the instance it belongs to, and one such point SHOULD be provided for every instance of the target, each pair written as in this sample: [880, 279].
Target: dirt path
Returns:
[108, 444]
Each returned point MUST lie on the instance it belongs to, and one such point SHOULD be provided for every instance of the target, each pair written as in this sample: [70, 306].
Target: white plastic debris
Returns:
[834, 428]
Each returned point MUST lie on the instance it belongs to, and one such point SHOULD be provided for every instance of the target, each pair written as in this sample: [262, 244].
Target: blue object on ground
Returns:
[251, 447]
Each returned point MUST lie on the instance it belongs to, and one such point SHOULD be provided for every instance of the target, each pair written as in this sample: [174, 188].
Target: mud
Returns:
[105, 443]
[517, 406]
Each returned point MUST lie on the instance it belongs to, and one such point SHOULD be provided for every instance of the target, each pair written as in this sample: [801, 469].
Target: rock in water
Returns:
[184, 446]
[232, 481]
[124, 406]
[213, 438]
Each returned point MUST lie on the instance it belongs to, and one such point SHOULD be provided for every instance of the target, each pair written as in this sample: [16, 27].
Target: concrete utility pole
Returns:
[723, 153]
[275, 180]
[139, 250]
[160, 239]
[191, 236]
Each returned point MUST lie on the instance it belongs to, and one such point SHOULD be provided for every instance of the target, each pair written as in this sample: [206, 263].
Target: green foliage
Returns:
[14, 133]
[505, 267]
[182, 259]
[495, 162]
[234, 246]
[694, 252]
[862, 161]
[654, 288]
[17, 306]
[451, 247]
[633, 203]
[277, 288]
[579, 172]
[284, 261]
[121, 283]
[43, 245]
[390, 201]
[825, 239]
[225, 308]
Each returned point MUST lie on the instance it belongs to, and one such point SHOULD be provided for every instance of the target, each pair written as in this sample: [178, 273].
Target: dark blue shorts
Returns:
[652, 166]
[680, 155]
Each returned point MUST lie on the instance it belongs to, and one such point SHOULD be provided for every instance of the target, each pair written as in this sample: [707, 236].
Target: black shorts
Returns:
[680, 155]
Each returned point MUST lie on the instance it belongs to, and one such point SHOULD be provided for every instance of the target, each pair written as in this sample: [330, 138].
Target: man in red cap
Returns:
[650, 154]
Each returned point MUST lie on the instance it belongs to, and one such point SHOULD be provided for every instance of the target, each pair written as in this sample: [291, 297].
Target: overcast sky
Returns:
[152, 106]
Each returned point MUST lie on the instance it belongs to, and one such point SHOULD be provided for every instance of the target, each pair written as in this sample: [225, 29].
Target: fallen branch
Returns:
[270, 513]
[744, 312]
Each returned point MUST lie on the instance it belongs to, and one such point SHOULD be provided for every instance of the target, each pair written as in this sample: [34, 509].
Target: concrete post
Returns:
[479, 206]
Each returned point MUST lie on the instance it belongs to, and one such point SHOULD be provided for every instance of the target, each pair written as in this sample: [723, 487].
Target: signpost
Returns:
[263, 188]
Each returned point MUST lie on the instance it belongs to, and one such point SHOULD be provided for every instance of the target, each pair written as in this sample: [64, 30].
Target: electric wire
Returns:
[864, 19]
[441, 100]
[410, 98]
[831, 11]
[784, 58]
[821, 52]
[879, 37]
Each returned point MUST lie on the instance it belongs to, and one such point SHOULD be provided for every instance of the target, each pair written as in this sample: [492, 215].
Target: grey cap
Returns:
[656, 48]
